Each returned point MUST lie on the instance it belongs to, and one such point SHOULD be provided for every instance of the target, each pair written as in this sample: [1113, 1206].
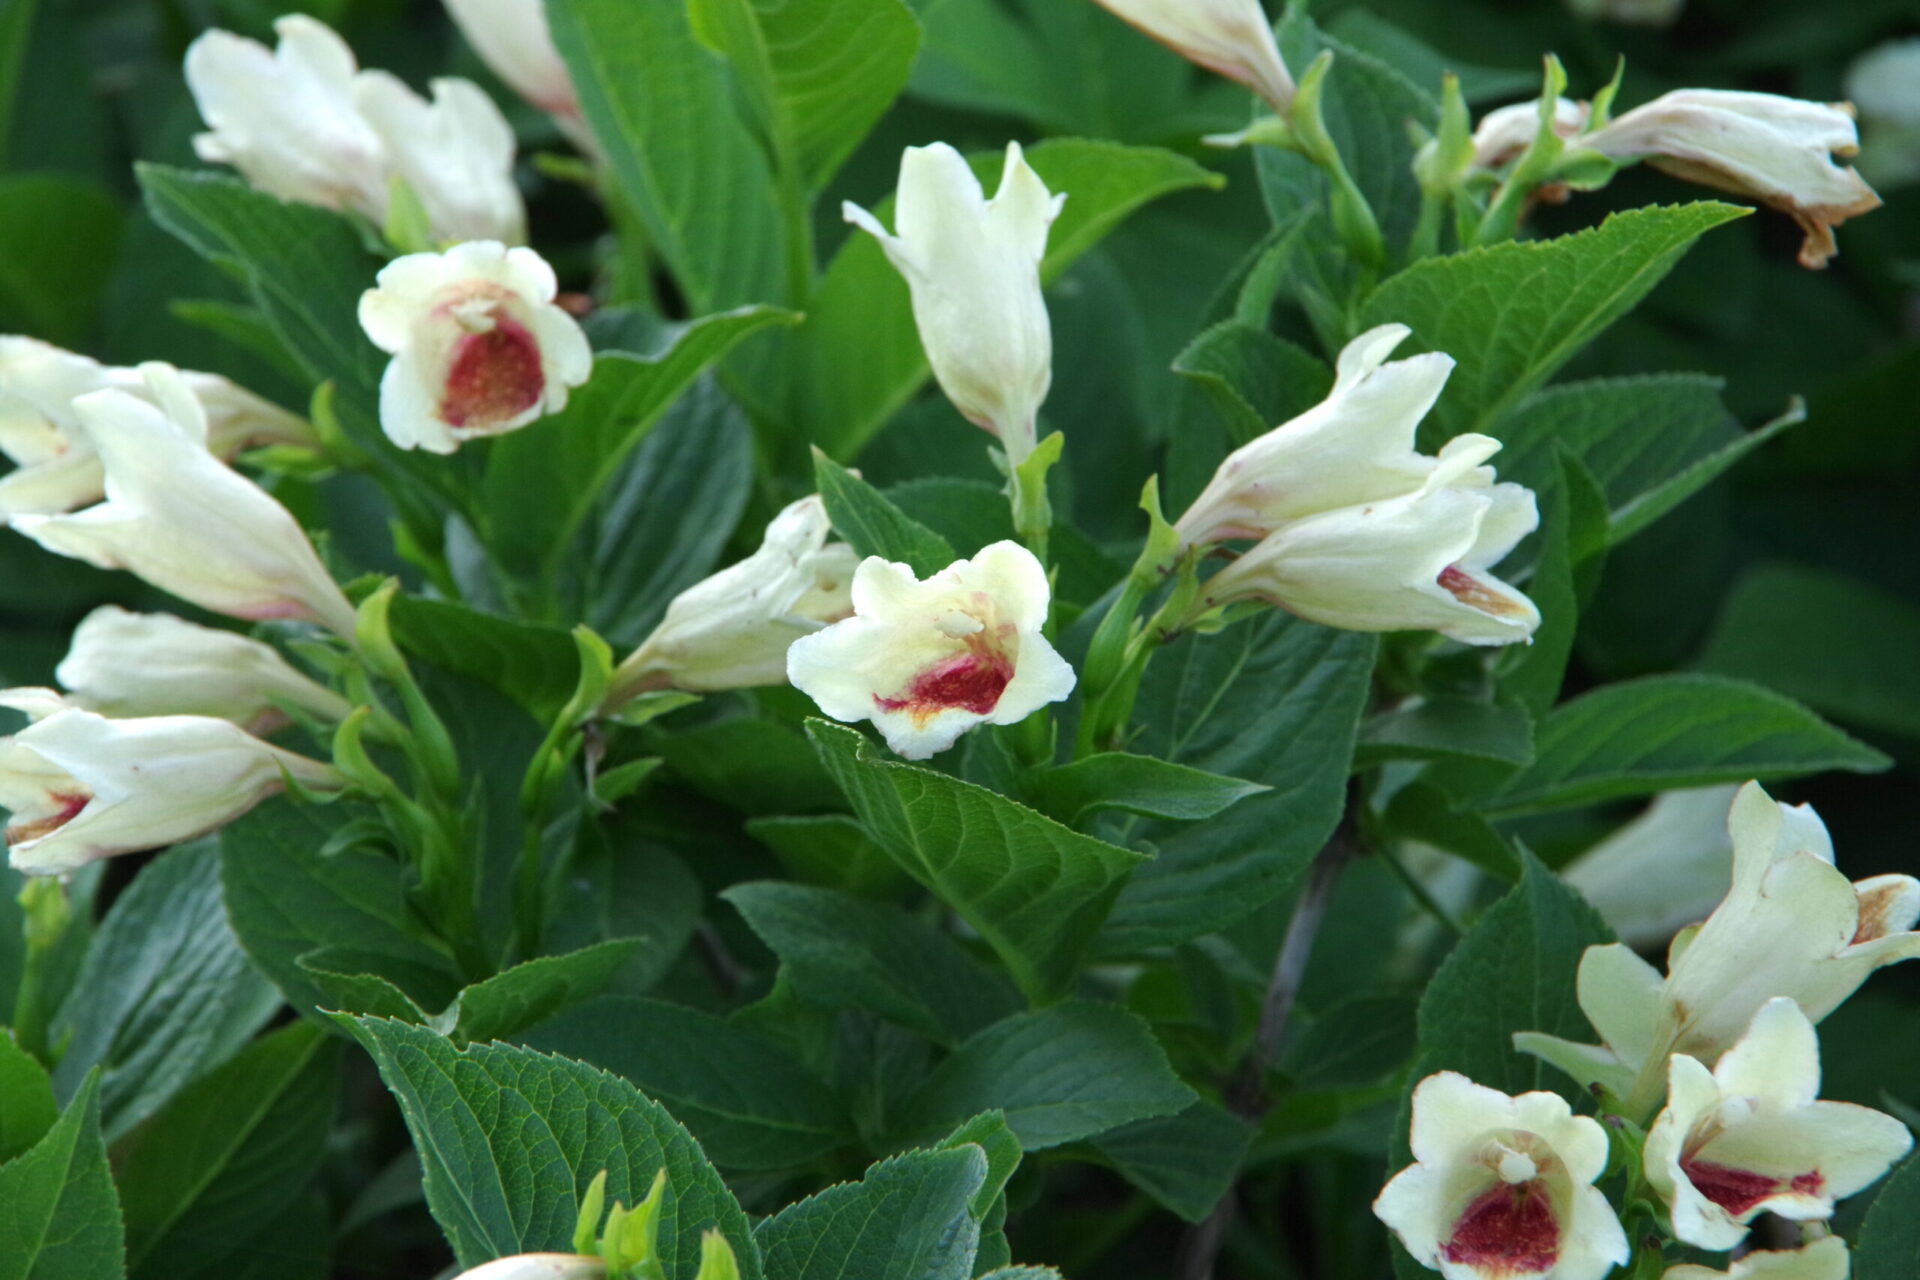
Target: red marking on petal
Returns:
[971, 681]
[1507, 1231]
[70, 802]
[1475, 594]
[1735, 1190]
[494, 375]
[1876, 907]
[1809, 1184]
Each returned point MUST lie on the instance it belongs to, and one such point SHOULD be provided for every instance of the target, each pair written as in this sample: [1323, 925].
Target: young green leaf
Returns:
[27, 1108]
[529, 993]
[59, 1213]
[909, 1218]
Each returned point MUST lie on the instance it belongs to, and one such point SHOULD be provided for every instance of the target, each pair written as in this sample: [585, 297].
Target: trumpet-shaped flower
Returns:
[180, 518]
[513, 39]
[1503, 1187]
[1791, 925]
[478, 347]
[1750, 1136]
[926, 661]
[55, 467]
[455, 152]
[1778, 150]
[732, 630]
[80, 787]
[538, 1266]
[1230, 37]
[973, 267]
[1824, 1259]
[124, 664]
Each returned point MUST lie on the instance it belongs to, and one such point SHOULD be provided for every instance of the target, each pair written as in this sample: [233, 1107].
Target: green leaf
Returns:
[1888, 1246]
[973, 513]
[841, 952]
[543, 482]
[1677, 488]
[1143, 785]
[532, 992]
[833, 851]
[287, 896]
[1447, 727]
[819, 73]
[751, 1104]
[989, 1132]
[1273, 700]
[661, 106]
[16, 25]
[64, 236]
[1659, 733]
[1513, 314]
[858, 357]
[749, 764]
[169, 991]
[27, 1109]
[907, 1219]
[1256, 380]
[1185, 1161]
[1572, 540]
[1061, 1074]
[535, 665]
[1035, 890]
[872, 525]
[1841, 646]
[230, 1154]
[1357, 1042]
[59, 1214]
[510, 1138]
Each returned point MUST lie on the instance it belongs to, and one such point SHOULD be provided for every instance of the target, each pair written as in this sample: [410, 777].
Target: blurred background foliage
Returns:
[1801, 570]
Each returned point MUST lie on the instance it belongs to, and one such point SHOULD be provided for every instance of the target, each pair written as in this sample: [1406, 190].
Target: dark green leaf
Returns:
[510, 1139]
[1255, 380]
[833, 851]
[755, 766]
[538, 666]
[1446, 727]
[63, 235]
[1186, 1161]
[907, 1219]
[59, 1214]
[873, 525]
[1143, 785]
[1357, 1042]
[27, 1109]
[1677, 488]
[1035, 890]
[530, 993]
[1888, 1247]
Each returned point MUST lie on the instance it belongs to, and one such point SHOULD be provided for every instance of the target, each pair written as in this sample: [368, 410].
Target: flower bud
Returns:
[1824, 1259]
[1749, 1136]
[127, 665]
[455, 152]
[973, 266]
[177, 516]
[512, 38]
[478, 347]
[55, 467]
[732, 630]
[1661, 872]
[80, 787]
[538, 1266]
[926, 661]
[1777, 150]
[1230, 37]
[1502, 1187]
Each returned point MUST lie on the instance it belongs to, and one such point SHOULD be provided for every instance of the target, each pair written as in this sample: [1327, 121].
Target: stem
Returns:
[1426, 233]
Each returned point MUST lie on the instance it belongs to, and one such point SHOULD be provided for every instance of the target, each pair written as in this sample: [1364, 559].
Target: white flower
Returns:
[732, 630]
[1502, 1187]
[1824, 1259]
[1778, 150]
[286, 118]
[81, 787]
[973, 266]
[125, 664]
[455, 152]
[55, 467]
[1504, 133]
[1791, 925]
[1231, 37]
[180, 518]
[538, 1266]
[926, 661]
[1749, 1136]
[1664, 870]
[478, 347]
[512, 38]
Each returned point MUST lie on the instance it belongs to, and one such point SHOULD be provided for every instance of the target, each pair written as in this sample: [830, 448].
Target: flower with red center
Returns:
[478, 347]
[1750, 1135]
[1824, 1259]
[80, 787]
[926, 661]
[1502, 1188]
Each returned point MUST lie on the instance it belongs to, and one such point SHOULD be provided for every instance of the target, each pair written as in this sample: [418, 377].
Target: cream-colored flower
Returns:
[1664, 870]
[80, 787]
[1230, 37]
[478, 347]
[1778, 150]
[124, 665]
[1503, 1187]
[538, 1266]
[732, 630]
[973, 266]
[455, 152]
[180, 518]
[1505, 132]
[55, 467]
[513, 39]
[1750, 1136]
[926, 661]
[1824, 1259]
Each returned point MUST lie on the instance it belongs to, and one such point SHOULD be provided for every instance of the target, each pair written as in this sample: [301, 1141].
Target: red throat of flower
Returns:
[970, 681]
[68, 806]
[1739, 1190]
[494, 376]
[1475, 594]
[1508, 1230]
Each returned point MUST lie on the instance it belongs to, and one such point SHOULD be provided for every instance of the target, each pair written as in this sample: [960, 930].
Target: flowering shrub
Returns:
[554, 752]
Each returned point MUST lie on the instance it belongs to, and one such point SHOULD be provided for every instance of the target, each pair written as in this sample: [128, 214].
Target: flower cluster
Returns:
[1723, 1045]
